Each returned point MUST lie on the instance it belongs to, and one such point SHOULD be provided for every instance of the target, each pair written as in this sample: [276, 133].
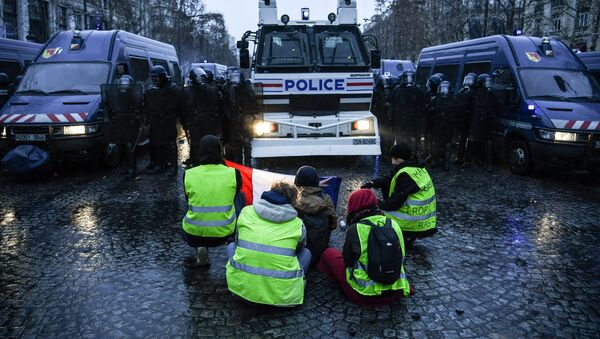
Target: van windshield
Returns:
[560, 85]
[64, 78]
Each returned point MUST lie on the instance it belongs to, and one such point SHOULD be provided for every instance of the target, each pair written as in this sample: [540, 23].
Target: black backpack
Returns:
[384, 253]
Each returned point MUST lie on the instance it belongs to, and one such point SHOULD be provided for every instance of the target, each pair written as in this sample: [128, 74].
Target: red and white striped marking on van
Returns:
[577, 124]
[63, 118]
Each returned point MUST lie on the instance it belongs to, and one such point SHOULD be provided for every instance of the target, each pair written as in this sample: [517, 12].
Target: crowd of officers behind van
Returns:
[204, 106]
[442, 126]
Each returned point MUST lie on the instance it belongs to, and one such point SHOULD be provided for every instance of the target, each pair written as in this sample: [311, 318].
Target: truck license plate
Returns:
[30, 137]
[364, 141]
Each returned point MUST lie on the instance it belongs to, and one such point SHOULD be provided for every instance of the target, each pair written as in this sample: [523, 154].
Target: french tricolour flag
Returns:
[255, 182]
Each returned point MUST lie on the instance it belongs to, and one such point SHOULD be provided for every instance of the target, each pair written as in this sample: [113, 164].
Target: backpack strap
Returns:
[388, 222]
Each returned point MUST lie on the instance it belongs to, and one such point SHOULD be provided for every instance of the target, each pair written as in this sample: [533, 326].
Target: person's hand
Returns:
[368, 184]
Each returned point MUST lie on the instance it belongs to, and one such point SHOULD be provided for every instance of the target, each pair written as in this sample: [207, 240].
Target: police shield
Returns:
[123, 112]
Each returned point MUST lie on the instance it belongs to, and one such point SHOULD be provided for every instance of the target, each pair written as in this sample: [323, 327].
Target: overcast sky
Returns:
[242, 15]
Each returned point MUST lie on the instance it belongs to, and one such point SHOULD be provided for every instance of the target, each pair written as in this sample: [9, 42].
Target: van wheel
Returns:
[518, 157]
[111, 156]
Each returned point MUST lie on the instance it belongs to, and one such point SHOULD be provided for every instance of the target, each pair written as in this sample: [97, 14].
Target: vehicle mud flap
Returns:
[25, 159]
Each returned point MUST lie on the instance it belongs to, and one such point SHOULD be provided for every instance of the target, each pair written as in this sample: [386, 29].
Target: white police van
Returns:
[314, 84]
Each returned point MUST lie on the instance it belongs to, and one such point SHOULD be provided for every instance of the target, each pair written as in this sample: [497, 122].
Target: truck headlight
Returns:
[565, 136]
[262, 127]
[74, 130]
[362, 125]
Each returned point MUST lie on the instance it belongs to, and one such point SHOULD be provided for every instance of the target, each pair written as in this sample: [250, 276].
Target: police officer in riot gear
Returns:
[201, 114]
[123, 103]
[443, 121]
[464, 115]
[407, 106]
[432, 85]
[163, 103]
[479, 144]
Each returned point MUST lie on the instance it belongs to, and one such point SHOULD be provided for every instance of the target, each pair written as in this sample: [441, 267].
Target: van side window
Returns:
[163, 63]
[450, 73]
[140, 69]
[504, 85]
[11, 68]
[477, 68]
[120, 70]
[176, 73]
[422, 75]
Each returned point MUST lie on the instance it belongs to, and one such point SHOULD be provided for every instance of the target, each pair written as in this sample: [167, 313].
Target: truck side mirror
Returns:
[375, 58]
[244, 58]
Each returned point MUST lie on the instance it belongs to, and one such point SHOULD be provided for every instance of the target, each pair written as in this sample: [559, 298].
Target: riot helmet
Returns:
[125, 82]
[407, 79]
[158, 75]
[485, 81]
[433, 82]
[198, 76]
[469, 80]
[444, 88]
[210, 76]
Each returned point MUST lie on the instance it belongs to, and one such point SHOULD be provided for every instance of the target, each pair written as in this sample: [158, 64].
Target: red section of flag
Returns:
[246, 173]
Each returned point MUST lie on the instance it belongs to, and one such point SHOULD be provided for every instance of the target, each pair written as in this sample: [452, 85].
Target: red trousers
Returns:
[332, 264]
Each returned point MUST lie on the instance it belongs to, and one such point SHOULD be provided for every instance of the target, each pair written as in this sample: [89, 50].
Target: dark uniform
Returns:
[430, 111]
[464, 109]
[408, 104]
[444, 119]
[484, 114]
[163, 104]
[123, 104]
[235, 133]
[201, 114]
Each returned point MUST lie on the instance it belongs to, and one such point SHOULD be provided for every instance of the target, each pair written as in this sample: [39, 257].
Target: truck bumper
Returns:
[79, 148]
[292, 147]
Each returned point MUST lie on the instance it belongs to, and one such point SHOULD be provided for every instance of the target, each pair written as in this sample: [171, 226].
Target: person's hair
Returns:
[286, 189]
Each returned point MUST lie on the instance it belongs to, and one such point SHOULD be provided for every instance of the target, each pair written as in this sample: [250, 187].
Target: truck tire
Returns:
[518, 157]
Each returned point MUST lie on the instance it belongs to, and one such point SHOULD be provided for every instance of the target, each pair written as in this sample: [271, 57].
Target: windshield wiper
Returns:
[33, 91]
[558, 97]
[68, 91]
[587, 98]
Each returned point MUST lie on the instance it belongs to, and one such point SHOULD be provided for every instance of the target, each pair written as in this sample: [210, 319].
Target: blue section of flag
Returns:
[331, 186]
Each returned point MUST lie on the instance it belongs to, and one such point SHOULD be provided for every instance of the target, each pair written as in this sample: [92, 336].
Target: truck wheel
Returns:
[518, 157]
[111, 156]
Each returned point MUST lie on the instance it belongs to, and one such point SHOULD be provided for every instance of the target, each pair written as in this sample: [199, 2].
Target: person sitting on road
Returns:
[211, 189]
[409, 195]
[268, 259]
[356, 268]
[316, 210]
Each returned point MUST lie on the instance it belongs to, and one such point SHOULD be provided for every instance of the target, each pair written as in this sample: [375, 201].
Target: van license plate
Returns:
[30, 137]
[364, 141]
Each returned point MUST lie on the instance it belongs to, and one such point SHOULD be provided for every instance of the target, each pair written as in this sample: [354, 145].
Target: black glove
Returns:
[368, 184]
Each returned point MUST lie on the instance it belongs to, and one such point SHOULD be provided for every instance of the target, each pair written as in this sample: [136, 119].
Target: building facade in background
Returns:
[404, 27]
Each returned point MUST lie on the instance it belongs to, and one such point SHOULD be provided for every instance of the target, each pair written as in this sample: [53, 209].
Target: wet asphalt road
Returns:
[91, 254]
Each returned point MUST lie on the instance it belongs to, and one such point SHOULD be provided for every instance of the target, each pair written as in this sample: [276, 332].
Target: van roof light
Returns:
[285, 19]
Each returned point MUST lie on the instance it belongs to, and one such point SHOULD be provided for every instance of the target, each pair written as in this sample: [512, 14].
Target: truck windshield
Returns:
[64, 78]
[338, 48]
[285, 49]
[560, 85]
